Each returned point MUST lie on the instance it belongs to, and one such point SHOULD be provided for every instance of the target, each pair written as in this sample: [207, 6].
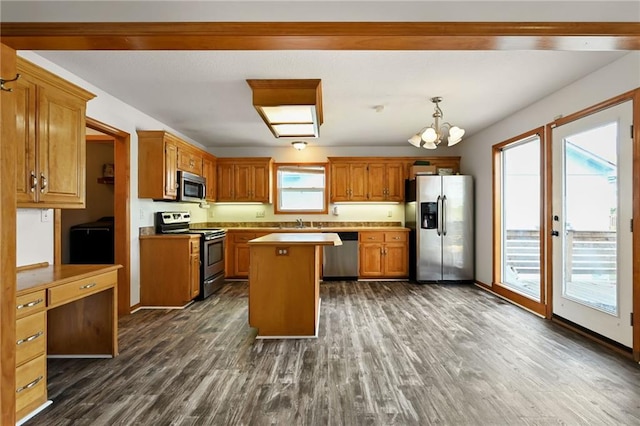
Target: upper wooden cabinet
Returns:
[161, 155]
[348, 181]
[209, 173]
[376, 178]
[385, 181]
[157, 164]
[50, 122]
[357, 179]
[244, 179]
[189, 159]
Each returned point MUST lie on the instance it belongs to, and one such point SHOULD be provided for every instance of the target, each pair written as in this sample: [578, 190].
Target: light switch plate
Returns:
[45, 215]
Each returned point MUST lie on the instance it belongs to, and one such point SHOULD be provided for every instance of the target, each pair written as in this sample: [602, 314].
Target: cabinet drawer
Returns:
[30, 337]
[395, 237]
[30, 303]
[244, 237]
[81, 288]
[371, 237]
[195, 246]
[31, 385]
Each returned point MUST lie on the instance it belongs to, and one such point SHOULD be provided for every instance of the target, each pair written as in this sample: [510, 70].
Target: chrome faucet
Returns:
[299, 223]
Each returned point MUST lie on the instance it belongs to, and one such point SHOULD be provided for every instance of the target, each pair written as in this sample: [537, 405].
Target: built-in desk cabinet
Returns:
[384, 254]
[50, 125]
[169, 269]
[68, 310]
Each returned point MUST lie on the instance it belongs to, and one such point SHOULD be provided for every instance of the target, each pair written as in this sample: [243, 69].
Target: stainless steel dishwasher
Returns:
[341, 262]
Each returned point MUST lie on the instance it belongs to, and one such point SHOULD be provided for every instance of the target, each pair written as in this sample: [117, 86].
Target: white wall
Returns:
[107, 109]
[611, 80]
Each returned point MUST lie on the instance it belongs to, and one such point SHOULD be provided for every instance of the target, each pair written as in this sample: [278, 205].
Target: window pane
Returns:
[590, 232]
[521, 218]
[300, 188]
[301, 200]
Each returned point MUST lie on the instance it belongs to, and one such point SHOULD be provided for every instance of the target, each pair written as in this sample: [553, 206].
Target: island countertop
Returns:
[306, 238]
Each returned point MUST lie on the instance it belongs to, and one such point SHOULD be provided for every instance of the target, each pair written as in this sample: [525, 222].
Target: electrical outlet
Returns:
[211, 214]
[389, 213]
[260, 213]
[45, 215]
[141, 214]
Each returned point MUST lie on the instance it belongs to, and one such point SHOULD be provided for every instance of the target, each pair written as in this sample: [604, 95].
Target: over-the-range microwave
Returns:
[191, 187]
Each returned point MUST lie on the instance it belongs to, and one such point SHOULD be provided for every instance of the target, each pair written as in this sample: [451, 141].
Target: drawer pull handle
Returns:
[30, 338]
[372, 238]
[86, 286]
[396, 238]
[30, 304]
[29, 385]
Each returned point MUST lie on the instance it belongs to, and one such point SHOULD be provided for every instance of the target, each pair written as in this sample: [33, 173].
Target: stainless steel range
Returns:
[212, 243]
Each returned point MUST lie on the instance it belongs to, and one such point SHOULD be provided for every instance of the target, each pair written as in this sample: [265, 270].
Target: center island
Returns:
[284, 283]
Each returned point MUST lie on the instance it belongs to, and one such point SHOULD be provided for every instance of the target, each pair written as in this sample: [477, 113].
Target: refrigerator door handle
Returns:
[439, 216]
[444, 215]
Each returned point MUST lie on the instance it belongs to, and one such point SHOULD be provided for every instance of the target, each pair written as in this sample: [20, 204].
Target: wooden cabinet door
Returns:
[61, 148]
[339, 182]
[26, 180]
[170, 170]
[241, 260]
[225, 182]
[260, 190]
[376, 182]
[371, 260]
[194, 275]
[209, 173]
[358, 178]
[394, 177]
[189, 161]
[395, 260]
[242, 182]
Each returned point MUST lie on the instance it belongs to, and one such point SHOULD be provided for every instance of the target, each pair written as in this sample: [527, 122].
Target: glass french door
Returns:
[591, 222]
[521, 219]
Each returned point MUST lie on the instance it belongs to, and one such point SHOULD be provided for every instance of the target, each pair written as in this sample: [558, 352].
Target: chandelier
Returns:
[434, 134]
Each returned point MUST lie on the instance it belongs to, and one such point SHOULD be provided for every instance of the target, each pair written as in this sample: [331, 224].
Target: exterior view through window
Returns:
[301, 188]
[521, 203]
[590, 206]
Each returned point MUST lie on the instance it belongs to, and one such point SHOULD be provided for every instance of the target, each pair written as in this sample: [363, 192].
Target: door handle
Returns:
[444, 215]
[439, 216]
[555, 233]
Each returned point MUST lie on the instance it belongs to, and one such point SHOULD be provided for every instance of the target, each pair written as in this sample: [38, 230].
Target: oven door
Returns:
[212, 257]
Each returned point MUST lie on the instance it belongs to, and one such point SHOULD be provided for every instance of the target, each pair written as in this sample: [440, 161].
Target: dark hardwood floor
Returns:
[388, 353]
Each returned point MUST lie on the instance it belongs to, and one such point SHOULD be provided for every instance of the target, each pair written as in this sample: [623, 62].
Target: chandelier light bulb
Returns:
[434, 134]
[430, 135]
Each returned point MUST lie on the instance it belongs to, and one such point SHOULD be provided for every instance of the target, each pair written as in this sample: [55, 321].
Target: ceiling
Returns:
[370, 98]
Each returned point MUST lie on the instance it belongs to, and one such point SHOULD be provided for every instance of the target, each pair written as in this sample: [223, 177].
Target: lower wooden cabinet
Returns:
[169, 269]
[237, 254]
[31, 385]
[31, 358]
[384, 254]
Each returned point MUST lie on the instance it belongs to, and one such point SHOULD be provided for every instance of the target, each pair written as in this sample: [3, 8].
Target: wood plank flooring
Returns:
[388, 353]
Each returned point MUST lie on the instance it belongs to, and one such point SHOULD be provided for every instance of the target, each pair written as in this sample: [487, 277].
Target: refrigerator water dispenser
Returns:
[429, 215]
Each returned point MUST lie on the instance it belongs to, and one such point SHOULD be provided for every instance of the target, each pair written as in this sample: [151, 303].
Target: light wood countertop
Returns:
[34, 279]
[303, 238]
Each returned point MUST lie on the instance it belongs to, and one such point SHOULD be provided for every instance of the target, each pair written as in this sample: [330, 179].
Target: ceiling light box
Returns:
[290, 108]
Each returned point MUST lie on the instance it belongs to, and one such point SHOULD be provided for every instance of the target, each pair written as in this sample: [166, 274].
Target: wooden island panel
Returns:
[284, 283]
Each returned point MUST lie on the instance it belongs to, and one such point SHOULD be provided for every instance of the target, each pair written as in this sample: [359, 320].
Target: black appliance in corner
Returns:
[212, 245]
[92, 242]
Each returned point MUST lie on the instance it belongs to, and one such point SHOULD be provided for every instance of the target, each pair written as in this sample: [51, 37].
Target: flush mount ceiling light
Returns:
[290, 108]
[299, 145]
[434, 134]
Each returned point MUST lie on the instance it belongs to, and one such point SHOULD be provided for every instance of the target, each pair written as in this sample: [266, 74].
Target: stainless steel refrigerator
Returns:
[439, 211]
